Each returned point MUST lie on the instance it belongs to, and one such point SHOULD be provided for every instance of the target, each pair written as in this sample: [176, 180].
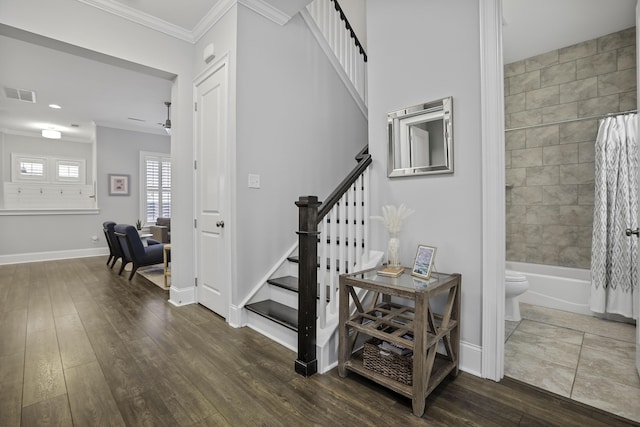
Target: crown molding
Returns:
[268, 11]
[141, 18]
[192, 36]
[211, 18]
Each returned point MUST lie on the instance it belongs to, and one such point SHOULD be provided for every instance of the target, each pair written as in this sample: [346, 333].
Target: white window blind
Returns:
[156, 184]
[70, 171]
[31, 169]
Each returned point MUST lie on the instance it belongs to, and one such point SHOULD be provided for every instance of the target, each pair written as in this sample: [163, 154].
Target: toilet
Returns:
[515, 284]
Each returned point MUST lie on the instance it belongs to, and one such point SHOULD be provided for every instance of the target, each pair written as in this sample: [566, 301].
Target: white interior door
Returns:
[211, 148]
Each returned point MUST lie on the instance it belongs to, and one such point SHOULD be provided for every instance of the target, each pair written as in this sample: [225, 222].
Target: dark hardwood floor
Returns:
[82, 346]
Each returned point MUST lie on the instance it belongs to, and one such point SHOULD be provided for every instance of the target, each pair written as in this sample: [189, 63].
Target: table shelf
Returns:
[441, 368]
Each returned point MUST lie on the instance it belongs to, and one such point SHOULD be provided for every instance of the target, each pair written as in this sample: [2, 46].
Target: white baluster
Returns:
[333, 261]
[327, 16]
[322, 274]
[342, 232]
[358, 220]
[367, 211]
[351, 249]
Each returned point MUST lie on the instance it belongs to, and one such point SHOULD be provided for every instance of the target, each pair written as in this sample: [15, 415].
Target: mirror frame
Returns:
[442, 107]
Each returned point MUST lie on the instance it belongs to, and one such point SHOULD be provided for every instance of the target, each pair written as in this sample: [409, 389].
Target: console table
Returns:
[415, 327]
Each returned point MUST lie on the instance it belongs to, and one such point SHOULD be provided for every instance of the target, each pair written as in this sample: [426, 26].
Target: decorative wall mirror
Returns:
[421, 139]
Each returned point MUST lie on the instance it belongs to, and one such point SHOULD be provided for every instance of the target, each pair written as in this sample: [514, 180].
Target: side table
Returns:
[416, 328]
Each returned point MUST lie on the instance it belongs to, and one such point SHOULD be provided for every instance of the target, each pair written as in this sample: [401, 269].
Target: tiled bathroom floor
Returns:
[584, 358]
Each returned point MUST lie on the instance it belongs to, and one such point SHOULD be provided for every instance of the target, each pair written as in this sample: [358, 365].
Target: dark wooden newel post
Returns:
[307, 364]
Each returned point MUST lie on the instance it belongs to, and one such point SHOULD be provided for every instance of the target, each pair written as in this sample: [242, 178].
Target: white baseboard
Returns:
[182, 296]
[53, 255]
[471, 358]
[237, 317]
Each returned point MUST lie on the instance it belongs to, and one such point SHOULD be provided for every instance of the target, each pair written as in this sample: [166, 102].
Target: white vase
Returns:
[393, 249]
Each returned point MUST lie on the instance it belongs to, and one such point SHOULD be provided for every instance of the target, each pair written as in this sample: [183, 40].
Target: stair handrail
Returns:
[364, 160]
[350, 28]
[310, 212]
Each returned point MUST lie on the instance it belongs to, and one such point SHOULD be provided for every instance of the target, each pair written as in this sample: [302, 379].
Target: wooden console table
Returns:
[415, 327]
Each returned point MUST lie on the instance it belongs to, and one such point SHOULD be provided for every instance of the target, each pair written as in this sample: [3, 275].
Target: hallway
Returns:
[80, 345]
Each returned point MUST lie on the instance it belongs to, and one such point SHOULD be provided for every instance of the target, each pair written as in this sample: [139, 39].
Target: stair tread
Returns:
[296, 259]
[279, 313]
[291, 283]
[286, 282]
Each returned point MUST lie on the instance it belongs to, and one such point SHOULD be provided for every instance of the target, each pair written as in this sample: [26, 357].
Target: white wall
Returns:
[39, 146]
[118, 151]
[420, 51]
[297, 127]
[85, 26]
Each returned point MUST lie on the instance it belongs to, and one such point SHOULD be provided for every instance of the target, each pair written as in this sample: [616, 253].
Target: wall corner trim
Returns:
[182, 296]
[493, 185]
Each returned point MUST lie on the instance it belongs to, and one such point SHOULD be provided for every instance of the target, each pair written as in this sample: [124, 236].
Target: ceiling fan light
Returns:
[167, 124]
[51, 134]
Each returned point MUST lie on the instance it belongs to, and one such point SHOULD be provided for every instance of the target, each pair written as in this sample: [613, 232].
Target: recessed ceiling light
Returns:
[51, 134]
[55, 106]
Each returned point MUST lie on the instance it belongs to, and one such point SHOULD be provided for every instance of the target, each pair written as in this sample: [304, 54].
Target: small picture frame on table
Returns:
[118, 185]
[423, 264]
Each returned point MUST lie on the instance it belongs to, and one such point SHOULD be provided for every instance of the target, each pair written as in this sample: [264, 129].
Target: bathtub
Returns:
[562, 288]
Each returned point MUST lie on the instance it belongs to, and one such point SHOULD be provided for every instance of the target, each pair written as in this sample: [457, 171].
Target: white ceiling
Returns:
[534, 27]
[111, 94]
[88, 91]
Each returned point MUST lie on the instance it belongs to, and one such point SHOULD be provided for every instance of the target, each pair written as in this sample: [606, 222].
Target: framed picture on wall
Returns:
[118, 185]
[423, 263]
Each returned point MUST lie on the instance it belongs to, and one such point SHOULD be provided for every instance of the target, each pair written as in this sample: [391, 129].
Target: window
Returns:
[27, 168]
[70, 171]
[156, 186]
[42, 169]
[31, 169]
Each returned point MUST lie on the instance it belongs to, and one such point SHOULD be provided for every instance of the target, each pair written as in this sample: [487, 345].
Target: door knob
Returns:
[629, 232]
[220, 224]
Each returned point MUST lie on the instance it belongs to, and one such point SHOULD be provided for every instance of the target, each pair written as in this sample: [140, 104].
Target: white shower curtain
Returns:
[614, 263]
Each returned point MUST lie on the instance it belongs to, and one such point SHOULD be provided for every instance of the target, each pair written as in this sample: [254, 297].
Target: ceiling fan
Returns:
[167, 125]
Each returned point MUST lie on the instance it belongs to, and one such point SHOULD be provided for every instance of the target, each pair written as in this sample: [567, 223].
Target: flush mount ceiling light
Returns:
[167, 124]
[51, 134]
[55, 106]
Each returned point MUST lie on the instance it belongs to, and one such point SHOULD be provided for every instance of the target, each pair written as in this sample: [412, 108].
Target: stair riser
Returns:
[272, 330]
[283, 296]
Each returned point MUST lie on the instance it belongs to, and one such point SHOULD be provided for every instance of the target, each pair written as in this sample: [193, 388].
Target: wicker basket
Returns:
[394, 366]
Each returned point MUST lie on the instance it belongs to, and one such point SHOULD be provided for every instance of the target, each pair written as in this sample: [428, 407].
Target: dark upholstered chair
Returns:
[162, 230]
[134, 251]
[115, 253]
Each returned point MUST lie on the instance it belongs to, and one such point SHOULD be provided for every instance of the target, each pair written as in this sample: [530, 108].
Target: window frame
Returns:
[160, 157]
[80, 163]
[16, 175]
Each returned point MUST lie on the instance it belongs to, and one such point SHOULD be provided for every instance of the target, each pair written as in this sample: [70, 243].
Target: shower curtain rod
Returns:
[600, 116]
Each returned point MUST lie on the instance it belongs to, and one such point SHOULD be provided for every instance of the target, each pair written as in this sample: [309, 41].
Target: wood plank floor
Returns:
[82, 346]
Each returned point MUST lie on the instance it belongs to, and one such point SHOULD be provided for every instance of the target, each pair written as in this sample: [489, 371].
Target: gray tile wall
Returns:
[550, 168]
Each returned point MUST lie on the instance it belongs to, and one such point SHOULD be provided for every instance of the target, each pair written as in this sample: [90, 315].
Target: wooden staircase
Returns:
[343, 218]
[277, 310]
[342, 247]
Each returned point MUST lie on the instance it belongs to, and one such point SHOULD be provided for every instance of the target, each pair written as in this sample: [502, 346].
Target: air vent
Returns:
[20, 94]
